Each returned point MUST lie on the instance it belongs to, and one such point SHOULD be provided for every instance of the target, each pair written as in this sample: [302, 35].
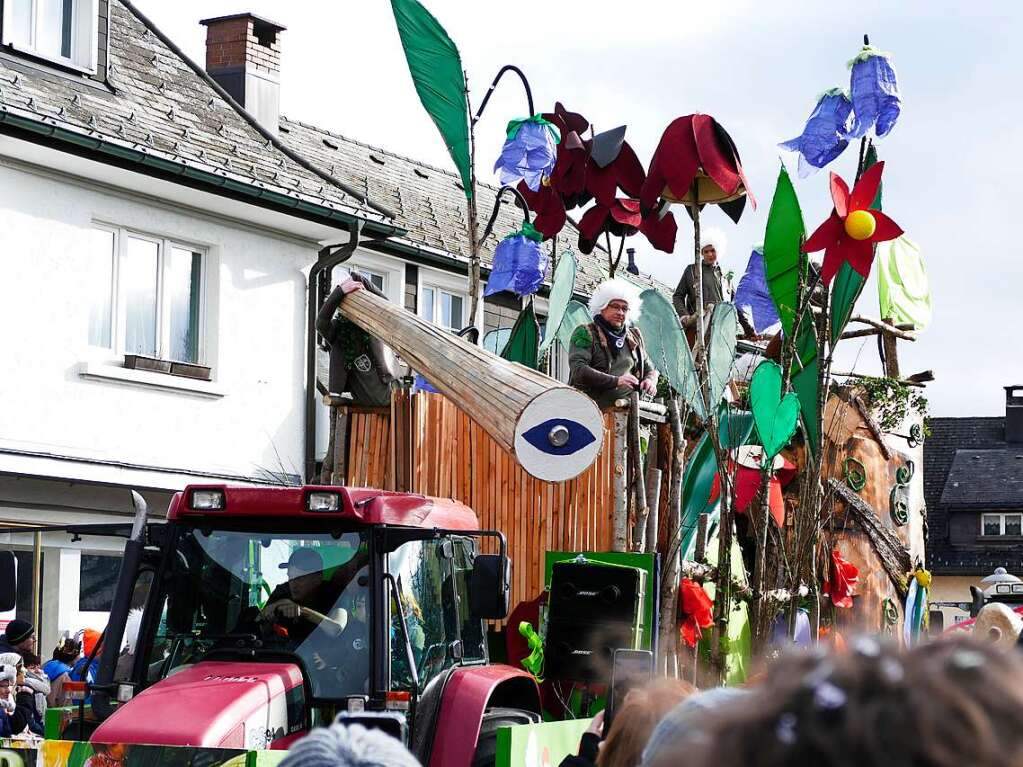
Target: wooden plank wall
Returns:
[453, 457]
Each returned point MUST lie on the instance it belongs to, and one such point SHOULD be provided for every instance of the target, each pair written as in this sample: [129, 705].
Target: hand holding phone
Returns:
[630, 668]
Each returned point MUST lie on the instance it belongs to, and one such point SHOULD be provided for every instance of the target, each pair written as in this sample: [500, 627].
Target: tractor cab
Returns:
[269, 611]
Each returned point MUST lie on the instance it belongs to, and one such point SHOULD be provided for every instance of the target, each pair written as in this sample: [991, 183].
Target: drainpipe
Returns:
[327, 260]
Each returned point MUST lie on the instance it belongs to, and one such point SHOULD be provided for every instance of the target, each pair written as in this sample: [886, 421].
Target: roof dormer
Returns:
[62, 32]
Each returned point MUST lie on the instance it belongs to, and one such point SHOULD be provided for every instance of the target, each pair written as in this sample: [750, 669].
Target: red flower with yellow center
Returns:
[853, 228]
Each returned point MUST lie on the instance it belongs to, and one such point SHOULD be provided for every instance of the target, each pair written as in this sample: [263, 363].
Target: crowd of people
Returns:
[946, 703]
[28, 686]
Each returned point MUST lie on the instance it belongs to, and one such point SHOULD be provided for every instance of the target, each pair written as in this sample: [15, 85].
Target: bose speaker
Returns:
[592, 611]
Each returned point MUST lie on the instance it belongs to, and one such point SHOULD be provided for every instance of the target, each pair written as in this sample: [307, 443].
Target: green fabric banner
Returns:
[437, 73]
[562, 287]
[783, 240]
[902, 285]
[524, 343]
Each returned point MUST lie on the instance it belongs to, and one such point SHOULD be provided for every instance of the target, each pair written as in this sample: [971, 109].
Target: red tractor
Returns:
[261, 613]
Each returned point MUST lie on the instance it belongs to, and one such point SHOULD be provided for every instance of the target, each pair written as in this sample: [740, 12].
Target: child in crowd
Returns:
[17, 704]
[58, 670]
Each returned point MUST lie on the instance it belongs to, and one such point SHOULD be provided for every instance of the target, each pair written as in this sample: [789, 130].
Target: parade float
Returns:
[760, 499]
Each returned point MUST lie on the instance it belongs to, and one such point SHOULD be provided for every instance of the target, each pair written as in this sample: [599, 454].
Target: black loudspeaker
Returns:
[593, 610]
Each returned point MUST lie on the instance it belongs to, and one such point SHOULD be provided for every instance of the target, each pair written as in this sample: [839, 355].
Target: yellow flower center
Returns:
[860, 224]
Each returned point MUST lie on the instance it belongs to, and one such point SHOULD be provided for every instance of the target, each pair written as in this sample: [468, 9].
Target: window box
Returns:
[188, 370]
[140, 362]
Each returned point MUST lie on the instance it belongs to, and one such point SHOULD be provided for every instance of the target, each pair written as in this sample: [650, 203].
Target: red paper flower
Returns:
[695, 149]
[844, 577]
[853, 228]
[623, 219]
[695, 611]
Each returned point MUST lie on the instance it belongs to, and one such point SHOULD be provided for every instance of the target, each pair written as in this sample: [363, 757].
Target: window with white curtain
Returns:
[64, 31]
[442, 307]
[145, 295]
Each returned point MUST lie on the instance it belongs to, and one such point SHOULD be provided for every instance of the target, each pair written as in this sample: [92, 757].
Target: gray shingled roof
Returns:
[985, 479]
[428, 201]
[948, 458]
[161, 109]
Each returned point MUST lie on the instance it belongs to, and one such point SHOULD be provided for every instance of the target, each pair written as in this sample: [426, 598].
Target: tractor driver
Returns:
[305, 602]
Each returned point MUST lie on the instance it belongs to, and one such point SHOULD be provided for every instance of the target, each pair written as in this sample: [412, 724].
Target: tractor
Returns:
[255, 614]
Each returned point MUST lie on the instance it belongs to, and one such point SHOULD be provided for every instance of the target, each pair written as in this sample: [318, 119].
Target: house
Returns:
[973, 485]
[160, 224]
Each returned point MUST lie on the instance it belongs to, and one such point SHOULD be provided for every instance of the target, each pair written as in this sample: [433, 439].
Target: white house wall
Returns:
[58, 398]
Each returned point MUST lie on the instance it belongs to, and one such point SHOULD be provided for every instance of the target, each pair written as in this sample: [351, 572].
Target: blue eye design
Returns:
[559, 436]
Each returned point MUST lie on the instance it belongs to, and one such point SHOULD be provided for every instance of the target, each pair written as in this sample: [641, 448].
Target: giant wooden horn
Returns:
[554, 431]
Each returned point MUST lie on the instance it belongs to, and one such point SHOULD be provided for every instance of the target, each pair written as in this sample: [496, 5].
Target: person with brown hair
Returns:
[944, 704]
[635, 720]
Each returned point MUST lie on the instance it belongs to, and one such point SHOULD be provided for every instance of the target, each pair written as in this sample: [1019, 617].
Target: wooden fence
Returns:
[425, 444]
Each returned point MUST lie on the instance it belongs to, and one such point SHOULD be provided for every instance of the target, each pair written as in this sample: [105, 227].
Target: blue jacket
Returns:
[53, 668]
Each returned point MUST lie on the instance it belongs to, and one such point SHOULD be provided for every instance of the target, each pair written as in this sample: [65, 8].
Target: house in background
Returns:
[160, 222]
[973, 484]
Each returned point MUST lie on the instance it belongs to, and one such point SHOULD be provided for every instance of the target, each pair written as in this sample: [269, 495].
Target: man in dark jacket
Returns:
[607, 359]
[19, 637]
[685, 298]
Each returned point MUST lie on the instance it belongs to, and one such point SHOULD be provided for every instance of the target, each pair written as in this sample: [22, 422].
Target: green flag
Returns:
[903, 290]
[562, 287]
[783, 241]
[524, 343]
[436, 70]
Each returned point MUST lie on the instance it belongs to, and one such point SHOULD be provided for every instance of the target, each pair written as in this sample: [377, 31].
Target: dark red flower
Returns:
[695, 149]
[842, 580]
[548, 209]
[623, 219]
[695, 611]
[853, 228]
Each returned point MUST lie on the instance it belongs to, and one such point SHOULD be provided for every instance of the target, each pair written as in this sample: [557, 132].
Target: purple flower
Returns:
[520, 264]
[530, 152]
[874, 90]
[823, 138]
[753, 296]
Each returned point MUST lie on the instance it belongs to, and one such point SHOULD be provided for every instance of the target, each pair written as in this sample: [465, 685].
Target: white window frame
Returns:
[392, 270]
[84, 34]
[118, 317]
[444, 282]
[1001, 522]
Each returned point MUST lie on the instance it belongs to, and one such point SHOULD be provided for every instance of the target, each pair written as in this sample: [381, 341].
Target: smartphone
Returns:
[630, 668]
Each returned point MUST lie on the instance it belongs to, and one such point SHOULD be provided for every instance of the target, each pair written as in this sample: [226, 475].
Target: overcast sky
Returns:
[953, 162]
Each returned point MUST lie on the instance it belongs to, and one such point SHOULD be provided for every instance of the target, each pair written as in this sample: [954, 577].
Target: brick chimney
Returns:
[1014, 414]
[243, 54]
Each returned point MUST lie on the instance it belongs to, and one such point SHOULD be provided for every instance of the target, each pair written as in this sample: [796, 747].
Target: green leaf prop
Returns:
[776, 416]
[437, 73]
[562, 287]
[724, 329]
[667, 347]
[849, 283]
[524, 343]
[805, 385]
[782, 242]
[575, 315]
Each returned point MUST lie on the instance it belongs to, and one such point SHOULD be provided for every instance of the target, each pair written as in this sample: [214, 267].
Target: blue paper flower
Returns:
[823, 138]
[520, 264]
[530, 152]
[754, 296]
[874, 90]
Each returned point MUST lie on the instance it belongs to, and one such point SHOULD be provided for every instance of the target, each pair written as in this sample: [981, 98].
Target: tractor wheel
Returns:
[493, 718]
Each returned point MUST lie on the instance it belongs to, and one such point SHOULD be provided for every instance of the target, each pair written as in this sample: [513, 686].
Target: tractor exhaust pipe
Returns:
[113, 635]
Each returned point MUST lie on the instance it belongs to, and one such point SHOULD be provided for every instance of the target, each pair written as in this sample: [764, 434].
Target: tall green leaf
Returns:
[524, 343]
[782, 242]
[724, 328]
[437, 73]
[805, 384]
[562, 287]
[667, 348]
[849, 283]
[575, 315]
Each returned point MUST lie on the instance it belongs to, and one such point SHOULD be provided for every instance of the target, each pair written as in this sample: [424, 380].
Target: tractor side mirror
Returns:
[977, 601]
[490, 586]
[8, 581]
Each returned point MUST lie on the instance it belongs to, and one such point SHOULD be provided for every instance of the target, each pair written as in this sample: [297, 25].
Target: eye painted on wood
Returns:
[559, 436]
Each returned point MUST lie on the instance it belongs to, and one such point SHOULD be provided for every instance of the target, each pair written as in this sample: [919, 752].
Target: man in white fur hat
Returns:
[607, 358]
[685, 298]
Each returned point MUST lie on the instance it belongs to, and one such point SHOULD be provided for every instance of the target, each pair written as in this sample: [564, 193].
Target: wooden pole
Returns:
[474, 244]
[760, 622]
[506, 399]
[653, 494]
[673, 556]
[637, 474]
[620, 520]
[891, 351]
[37, 580]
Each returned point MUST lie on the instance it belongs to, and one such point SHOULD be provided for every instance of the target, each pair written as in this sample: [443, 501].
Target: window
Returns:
[378, 280]
[144, 295]
[97, 582]
[59, 30]
[442, 307]
[1009, 525]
